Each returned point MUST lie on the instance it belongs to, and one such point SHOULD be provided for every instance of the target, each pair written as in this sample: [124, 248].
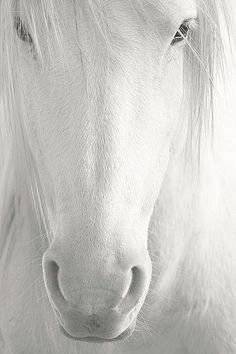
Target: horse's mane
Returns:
[204, 56]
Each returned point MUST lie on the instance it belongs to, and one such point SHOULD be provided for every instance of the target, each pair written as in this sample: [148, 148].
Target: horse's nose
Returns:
[95, 300]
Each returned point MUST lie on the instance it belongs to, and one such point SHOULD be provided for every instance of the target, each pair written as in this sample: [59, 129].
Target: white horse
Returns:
[117, 228]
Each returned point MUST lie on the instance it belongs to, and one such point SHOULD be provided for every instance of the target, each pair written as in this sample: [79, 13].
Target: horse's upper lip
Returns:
[122, 336]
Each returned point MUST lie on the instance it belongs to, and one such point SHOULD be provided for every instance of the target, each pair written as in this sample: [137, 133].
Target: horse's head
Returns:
[100, 123]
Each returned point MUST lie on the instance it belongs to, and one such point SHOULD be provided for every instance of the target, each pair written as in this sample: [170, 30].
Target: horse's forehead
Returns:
[173, 11]
[182, 8]
[172, 5]
[172, 8]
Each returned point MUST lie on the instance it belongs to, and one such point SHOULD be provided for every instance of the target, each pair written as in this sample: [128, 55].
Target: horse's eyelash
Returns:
[193, 24]
[190, 24]
[22, 31]
[184, 30]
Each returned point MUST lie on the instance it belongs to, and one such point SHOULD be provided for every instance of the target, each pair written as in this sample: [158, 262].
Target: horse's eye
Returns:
[22, 31]
[182, 32]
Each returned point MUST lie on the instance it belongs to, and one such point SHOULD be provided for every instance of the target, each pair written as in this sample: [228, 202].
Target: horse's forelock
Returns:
[204, 61]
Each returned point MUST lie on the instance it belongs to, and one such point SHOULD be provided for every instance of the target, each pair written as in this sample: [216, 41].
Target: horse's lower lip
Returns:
[122, 336]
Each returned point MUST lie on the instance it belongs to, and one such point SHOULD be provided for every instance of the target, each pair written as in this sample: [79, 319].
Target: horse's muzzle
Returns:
[101, 304]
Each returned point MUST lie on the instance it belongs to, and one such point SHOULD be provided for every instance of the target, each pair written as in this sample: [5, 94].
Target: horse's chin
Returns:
[125, 334]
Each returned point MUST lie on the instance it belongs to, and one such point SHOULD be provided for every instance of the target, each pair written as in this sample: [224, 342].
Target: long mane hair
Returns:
[19, 181]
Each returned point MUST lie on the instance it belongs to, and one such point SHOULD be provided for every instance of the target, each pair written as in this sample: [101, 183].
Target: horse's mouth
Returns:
[127, 333]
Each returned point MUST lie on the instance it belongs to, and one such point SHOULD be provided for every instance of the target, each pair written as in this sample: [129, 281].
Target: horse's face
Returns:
[100, 126]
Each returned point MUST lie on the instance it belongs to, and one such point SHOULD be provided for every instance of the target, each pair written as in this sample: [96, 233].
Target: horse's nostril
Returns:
[139, 280]
[136, 290]
[51, 270]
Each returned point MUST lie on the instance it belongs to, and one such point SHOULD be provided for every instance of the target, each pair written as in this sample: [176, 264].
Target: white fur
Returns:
[191, 305]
